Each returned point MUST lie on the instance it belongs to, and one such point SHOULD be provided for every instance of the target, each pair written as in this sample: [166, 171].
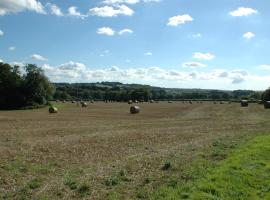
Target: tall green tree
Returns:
[17, 90]
[37, 87]
[266, 95]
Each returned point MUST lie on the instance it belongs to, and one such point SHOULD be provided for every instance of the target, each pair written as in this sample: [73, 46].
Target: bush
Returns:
[167, 166]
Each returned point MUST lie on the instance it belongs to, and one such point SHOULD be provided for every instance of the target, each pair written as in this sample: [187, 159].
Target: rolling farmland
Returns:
[102, 151]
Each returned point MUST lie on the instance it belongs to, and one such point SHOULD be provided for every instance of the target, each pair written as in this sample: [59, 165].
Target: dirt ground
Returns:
[102, 151]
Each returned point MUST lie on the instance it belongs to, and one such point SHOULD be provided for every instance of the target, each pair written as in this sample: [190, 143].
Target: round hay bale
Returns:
[152, 101]
[84, 104]
[260, 102]
[53, 110]
[136, 101]
[267, 104]
[92, 101]
[134, 109]
[244, 103]
[169, 101]
[130, 102]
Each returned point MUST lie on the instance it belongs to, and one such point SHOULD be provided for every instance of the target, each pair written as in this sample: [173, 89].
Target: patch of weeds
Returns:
[173, 183]
[113, 196]
[142, 194]
[83, 189]
[218, 155]
[71, 183]
[122, 173]
[146, 181]
[122, 176]
[115, 180]
[22, 194]
[34, 183]
[184, 195]
[167, 166]
[112, 181]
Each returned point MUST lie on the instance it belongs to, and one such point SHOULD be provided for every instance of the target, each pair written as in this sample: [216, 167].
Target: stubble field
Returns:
[103, 152]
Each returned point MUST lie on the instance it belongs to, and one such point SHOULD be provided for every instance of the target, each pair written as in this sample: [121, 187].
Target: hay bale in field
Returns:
[152, 101]
[136, 101]
[134, 109]
[244, 103]
[221, 102]
[190, 102]
[267, 104]
[260, 102]
[84, 104]
[92, 101]
[169, 101]
[64, 101]
[53, 110]
[130, 102]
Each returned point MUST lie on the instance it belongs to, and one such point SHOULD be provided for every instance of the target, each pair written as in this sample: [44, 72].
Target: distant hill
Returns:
[116, 91]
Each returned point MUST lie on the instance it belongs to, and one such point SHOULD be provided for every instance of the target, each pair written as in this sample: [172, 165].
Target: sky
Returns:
[206, 44]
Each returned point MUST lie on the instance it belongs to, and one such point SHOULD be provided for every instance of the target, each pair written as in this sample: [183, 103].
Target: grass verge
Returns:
[244, 174]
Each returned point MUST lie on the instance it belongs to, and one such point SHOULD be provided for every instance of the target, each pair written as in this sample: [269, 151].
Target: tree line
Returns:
[23, 87]
[115, 91]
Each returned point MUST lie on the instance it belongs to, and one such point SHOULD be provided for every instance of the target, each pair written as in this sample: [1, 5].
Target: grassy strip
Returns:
[245, 174]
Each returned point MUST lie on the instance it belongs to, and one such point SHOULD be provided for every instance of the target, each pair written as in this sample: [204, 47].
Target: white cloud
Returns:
[196, 35]
[73, 12]
[242, 11]
[203, 56]
[106, 31]
[12, 48]
[15, 6]
[55, 10]
[20, 64]
[125, 31]
[148, 54]
[111, 2]
[111, 11]
[193, 65]
[78, 72]
[38, 57]
[1, 60]
[264, 67]
[179, 19]
[248, 35]
[1, 33]
[149, 1]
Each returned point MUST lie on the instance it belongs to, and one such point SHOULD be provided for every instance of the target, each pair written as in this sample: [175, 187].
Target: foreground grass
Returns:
[245, 174]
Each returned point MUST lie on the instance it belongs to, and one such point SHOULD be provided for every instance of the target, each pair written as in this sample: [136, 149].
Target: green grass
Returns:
[243, 175]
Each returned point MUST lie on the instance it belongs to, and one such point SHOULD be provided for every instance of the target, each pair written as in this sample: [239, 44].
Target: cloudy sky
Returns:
[169, 43]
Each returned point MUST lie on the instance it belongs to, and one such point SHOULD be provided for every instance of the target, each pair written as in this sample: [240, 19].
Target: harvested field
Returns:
[102, 151]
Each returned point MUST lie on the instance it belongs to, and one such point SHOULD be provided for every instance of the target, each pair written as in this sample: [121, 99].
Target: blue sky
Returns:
[169, 43]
